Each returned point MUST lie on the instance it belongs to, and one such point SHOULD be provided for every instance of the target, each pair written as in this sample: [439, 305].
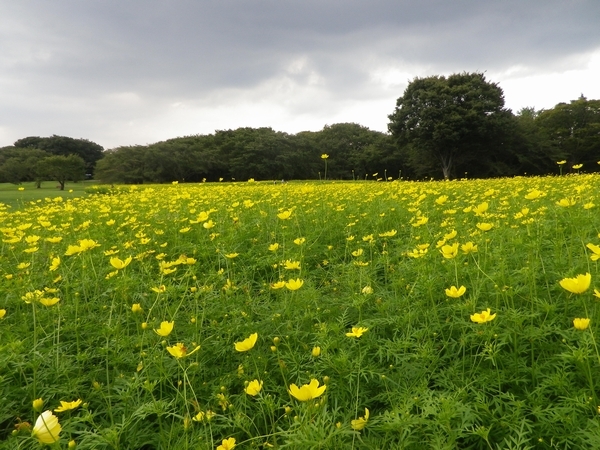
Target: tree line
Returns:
[441, 127]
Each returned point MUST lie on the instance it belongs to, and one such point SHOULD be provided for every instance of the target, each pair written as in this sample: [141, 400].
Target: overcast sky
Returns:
[124, 72]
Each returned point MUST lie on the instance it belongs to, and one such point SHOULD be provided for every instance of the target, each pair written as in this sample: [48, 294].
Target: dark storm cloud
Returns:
[65, 56]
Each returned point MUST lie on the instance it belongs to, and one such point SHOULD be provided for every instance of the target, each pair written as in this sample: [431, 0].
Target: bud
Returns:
[72, 444]
[144, 325]
[316, 351]
[276, 340]
[38, 404]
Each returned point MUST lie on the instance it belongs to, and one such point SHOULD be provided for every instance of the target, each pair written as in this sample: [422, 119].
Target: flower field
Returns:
[371, 315]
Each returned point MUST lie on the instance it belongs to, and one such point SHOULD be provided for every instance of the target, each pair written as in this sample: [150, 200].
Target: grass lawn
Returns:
[11, 195]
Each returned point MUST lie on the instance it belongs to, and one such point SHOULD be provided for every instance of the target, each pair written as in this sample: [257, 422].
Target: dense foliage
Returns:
[332, 315]
[442, 127]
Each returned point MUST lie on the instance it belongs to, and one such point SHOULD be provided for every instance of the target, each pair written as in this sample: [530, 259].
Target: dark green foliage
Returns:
[457, 124]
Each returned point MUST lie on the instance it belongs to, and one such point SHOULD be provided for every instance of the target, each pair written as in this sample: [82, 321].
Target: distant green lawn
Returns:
[11, 195]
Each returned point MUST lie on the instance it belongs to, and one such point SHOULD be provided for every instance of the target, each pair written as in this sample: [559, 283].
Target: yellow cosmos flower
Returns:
[274, 247]
[246, 344]
[299, 241]
[120, 264]
[422, 220]
[66, 406]
[577, 166]
[159, 289]
[357, 332]
[46, 301]
[54, 264]
[227, 444]
[449, 251]
[455, 293]
[483, 316]
[137, 308]
[390, 233]
[308, 391]
[357, 253]
[577, 285]
[254, 387]
[596, 293]
[46, 428]
[204, 416]
[285, 215]
[294, 285]
[165, 328]
[480, 209]
[180, 351]
[560, 163]
[232, 255]
[23, 265]
[450, 235]
[469, 247]
[2, 313]
[324, 156]
[484, 226]
[316, 352]
[581, 324]
[566, 202]
[361, 422]
[533, 194]
[596, 252]
[208, 225]
[278, 285]
[291, 265]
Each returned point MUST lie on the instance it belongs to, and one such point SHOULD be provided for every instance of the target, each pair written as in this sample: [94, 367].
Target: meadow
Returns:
[326, 315]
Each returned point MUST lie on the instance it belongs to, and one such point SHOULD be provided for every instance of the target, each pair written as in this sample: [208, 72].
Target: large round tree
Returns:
[449, 126]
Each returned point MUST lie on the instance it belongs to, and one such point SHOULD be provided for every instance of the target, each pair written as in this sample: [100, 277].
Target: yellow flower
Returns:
[2, 313]
[596, 252]
[316, 352]
[390, 233]
[180, 351]
[136, 308]
[596, 293]
[560, 163]
[72, 444]
[357, 332]
[450, 235]
[202, 416]
[577, 166]
[253, 387]
[566, 202]
[299, 241]
[449, 251]
[246, 344]
[118, 263]
[533, 194]
[227, 444]
[581, 324]
[455, 293]
[66, 406]
[46, 301]
[324, 156]
[208, 225]
[367, 290]
[357, 253]
[231, 255]
[55, 263]
[359, 424]
[292, 265]
[480, 209]
[483, 316]
[274, 247]
[469, 247]
[422, 220]
[285, 215]
[484, 226]
[38, 404]
[46, 428]
[294, 285]
[278, 285]
[160, 289]
[308, 391]
[577, 285]
[165, 328]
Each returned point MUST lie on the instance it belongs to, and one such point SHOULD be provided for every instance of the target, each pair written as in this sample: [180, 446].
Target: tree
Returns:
[62, 168]
[456, 124]
[19, 164]
[573, 130]
[89, 151]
